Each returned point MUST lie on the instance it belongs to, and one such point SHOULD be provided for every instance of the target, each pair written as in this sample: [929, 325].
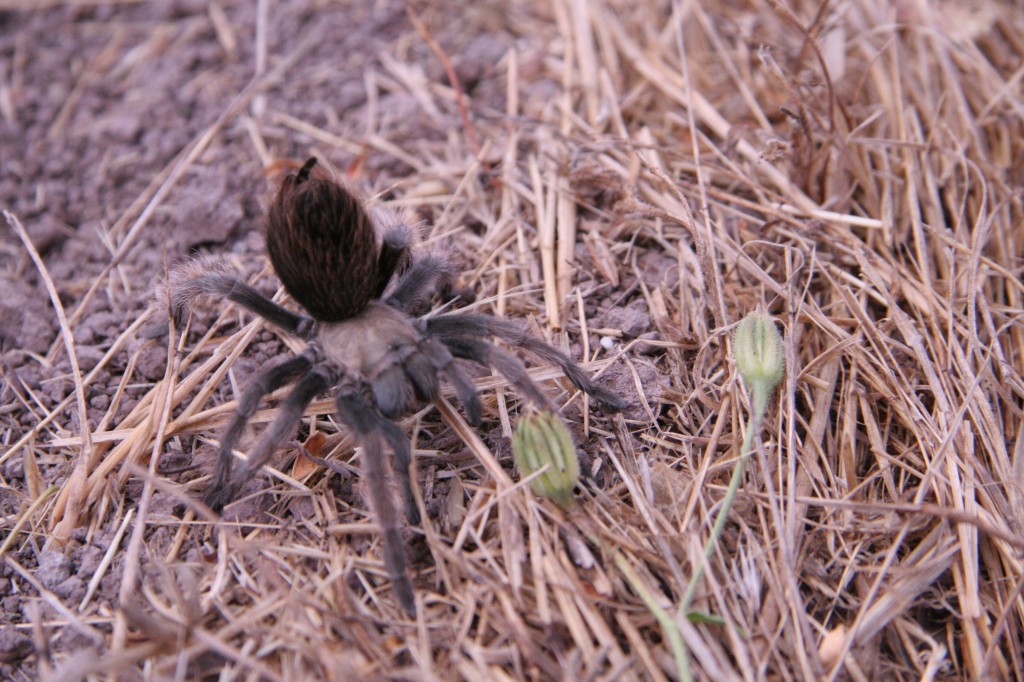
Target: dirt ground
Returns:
[101, 103]
[550, 151]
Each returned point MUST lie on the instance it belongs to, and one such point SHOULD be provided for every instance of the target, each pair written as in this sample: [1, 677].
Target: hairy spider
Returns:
[365, 290]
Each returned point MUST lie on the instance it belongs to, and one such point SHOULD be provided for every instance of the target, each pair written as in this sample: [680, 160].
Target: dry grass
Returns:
[858, 176]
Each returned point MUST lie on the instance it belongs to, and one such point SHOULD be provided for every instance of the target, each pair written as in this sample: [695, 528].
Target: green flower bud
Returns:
[759, 356]
[542, 439]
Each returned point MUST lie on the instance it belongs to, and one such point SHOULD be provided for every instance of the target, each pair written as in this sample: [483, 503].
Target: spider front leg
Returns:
[365, 421]
[508, 365]
[402, 450]
[221, 493]
[441, 359]
[456, 328]
[393, 389]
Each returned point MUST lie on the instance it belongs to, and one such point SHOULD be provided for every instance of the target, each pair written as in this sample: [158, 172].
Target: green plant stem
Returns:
[669, 626]
[760, 402]
[673, 635]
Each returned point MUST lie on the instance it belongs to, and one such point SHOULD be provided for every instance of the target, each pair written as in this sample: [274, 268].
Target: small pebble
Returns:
[54, 568]
[607, 342]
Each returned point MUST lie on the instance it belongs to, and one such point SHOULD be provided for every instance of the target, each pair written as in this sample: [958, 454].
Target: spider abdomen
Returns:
[323, 244]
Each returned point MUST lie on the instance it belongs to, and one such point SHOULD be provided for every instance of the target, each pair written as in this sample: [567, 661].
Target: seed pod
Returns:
[542, 439]
[759, 356]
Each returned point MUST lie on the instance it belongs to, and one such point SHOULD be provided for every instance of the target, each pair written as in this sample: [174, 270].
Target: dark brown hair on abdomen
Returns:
[323, 244]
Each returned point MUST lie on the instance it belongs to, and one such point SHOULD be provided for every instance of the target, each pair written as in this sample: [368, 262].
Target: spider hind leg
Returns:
[394, 255]
[426, 276]
[204, 278]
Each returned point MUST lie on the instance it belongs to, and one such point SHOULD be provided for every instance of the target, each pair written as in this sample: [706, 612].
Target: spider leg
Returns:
[416, 374]
[421, 372]
[425, 276]
[265, 383]
[391, 391]
[464, 324]
[225, 286]
[489, 355]
[283, 425]
[394, 255]
[441, 358]
[399, 443]
[365, 421]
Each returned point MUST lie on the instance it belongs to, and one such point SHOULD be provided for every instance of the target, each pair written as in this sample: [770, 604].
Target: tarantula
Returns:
[365, 289]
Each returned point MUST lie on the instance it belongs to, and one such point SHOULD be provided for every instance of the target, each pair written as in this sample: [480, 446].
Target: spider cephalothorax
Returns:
[364, 287]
